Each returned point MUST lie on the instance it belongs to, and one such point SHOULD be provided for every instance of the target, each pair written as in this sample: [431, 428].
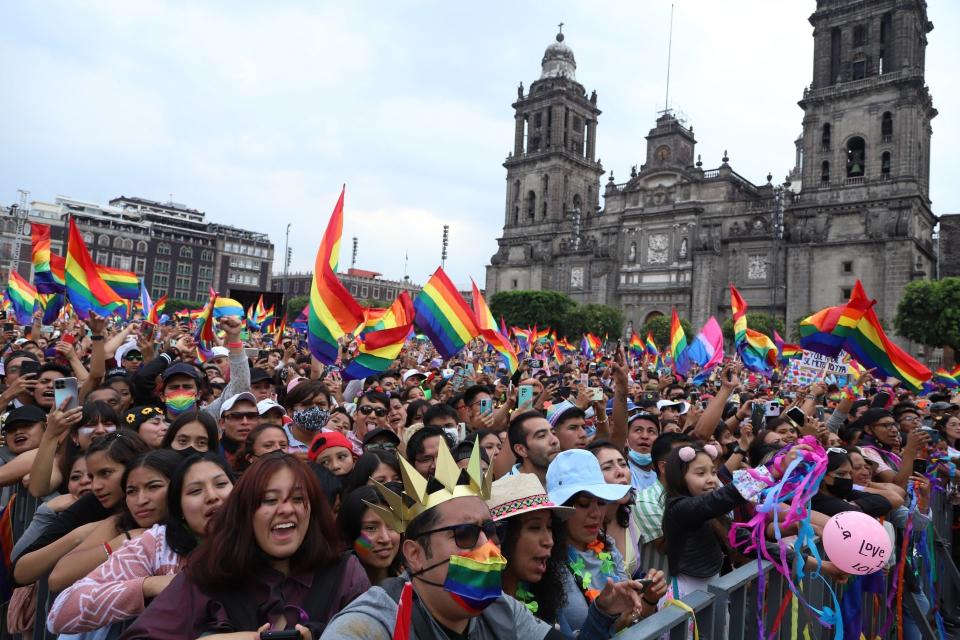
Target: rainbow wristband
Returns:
[234, 345]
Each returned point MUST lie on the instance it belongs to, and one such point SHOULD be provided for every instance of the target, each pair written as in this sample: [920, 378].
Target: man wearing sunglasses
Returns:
[371, 413]
[447, 596]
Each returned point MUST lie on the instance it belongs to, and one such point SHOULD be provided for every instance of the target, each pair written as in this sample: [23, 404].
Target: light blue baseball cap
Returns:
[578, 470]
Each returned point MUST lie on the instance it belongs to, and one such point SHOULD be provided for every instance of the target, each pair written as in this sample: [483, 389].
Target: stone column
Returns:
[518, 135]
[591, 140]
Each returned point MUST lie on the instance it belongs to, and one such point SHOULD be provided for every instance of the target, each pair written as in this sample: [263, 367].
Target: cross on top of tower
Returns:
[560, 32]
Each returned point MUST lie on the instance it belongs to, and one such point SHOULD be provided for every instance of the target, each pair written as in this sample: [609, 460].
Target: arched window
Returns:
[163, 249]
[632, 255]
[103, 241]
[516, 215]
[88, 238]
[516, 190]
[825, 137]
[825, 171]
[127, 244]
[885, 165]
[186, 252]
[141, 247]
[531, 206]
[856, 157]
[118, 243]
[886, 126]
[577, 202]
[544, 198]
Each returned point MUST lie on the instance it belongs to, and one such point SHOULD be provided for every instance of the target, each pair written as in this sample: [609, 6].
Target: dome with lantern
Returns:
[558, 61]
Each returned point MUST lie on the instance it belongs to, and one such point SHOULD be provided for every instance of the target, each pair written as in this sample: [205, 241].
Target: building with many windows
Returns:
[173, 248]
[367, 287]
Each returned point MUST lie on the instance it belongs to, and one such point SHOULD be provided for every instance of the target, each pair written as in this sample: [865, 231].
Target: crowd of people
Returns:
[259, 495]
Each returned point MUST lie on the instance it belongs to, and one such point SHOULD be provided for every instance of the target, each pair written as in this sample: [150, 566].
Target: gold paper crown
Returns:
[419, 494]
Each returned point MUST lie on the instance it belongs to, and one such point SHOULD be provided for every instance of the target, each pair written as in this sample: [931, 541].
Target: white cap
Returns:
[220, 352]
[269, 405]
[662, 404]
[125, 348]
[412, 372]
[232, 400]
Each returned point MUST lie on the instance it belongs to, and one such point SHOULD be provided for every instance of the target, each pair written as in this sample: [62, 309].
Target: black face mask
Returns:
[189, 451]
[842, 487]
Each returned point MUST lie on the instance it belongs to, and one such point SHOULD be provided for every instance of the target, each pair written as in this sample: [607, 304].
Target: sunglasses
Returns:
[88, 431]
[368, 409]
[133, 357]
[240, 415]
[467, 535]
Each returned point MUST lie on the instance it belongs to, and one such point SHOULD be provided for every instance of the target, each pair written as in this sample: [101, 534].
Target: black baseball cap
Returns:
[259, 375]
[181, 369]
[28, 413]
[380, 431]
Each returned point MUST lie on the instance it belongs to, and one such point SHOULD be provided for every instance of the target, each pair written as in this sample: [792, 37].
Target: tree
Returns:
[175, 305]
[295, 305]
[758, 321]
[660, 326]
[528, 308]
[929, 313]
[598, 319]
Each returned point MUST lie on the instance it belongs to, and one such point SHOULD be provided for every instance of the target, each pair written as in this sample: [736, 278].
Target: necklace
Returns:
[582, 576]
[527, 598]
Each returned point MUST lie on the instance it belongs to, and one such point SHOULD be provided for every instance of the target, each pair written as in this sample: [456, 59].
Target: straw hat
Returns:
[518, 494]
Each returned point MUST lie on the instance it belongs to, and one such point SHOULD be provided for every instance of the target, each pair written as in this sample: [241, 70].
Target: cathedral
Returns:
[856, 205]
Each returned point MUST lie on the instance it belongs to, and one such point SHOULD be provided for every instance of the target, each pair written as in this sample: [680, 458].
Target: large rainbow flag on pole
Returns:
[22, 297]
[44, 276]
[678, 338]
[855, 328]
[51, 304]
[378, 347]
[488, 330]
[86, 290]
[333, 313]
[756, 350]
[125, 284]
[444, 316]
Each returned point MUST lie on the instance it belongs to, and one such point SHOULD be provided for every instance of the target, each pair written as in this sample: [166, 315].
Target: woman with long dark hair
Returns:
[273, 560]
[376, 545]
[143, 568]
[192, 432]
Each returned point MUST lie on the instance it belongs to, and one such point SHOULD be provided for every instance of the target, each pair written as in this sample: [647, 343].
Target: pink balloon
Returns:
[856, 543]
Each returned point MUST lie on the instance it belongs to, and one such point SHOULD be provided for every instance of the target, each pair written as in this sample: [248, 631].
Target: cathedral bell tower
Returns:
[553, 176]
[863, 211]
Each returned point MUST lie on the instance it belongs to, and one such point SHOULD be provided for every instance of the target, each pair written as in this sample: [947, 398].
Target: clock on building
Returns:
[662, 153]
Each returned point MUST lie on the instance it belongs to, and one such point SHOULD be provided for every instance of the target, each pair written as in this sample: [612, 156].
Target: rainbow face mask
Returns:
[180, 401]
[473, 578]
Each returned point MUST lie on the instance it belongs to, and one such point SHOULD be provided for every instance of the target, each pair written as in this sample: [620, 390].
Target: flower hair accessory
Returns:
[711, 451]
[687, 454]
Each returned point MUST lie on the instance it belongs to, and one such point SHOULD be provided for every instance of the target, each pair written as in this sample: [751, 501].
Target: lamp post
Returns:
[286, 260]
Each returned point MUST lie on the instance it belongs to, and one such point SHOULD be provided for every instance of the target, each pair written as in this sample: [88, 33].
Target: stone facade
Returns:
[676, 234]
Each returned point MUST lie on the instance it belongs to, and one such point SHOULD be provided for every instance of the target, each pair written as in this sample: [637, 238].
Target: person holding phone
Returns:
[19, 384]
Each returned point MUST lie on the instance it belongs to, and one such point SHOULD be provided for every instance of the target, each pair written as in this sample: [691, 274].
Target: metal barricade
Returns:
[674, 623]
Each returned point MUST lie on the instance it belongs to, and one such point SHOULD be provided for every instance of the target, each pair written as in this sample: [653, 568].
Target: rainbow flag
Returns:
[565, 346]
[589, 346]
[156, 309]
[125, 284]
[333, 313]
[398, 314]
[281, 329]
[224, 307]
[651, 347]
[855, 328]
[86, 290]
[523, 339]
[268, 317]
[44, 276]
[146, 304]
[488, 330]
[6, 549]
[706, 351]
[52, 304]
[205, 334]
[636, 344]
[756, 350]
[22, 297]
[251, 318]
[444, 316]
[376, 352]
[946, 378]
[678, 339]
[786, 350]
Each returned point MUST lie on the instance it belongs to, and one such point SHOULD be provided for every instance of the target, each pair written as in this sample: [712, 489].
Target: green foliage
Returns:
[758, 321]
[660, 326]
[929, 312]
[176, 304]
[295, 305]
[556, 310]
[528, 308]
[598, 319]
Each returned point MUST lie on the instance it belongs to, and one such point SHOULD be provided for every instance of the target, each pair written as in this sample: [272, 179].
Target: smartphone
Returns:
[286, 634]
[533, 363]
[645, 583]
[771, 409]
[262, 354]
[148, 330]
[796, 416]
[251, 352]
[757, 414]
[525, 394]
[7, 326]
[69, 338]
[3, 315]
[933, 433]
[729, 375]
[486, 406]
[29, 366]
[596, 394]
[584, 380]
[920, 466]
[65, 389]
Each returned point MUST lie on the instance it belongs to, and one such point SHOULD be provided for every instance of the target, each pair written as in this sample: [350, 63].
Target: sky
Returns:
[258, 112]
